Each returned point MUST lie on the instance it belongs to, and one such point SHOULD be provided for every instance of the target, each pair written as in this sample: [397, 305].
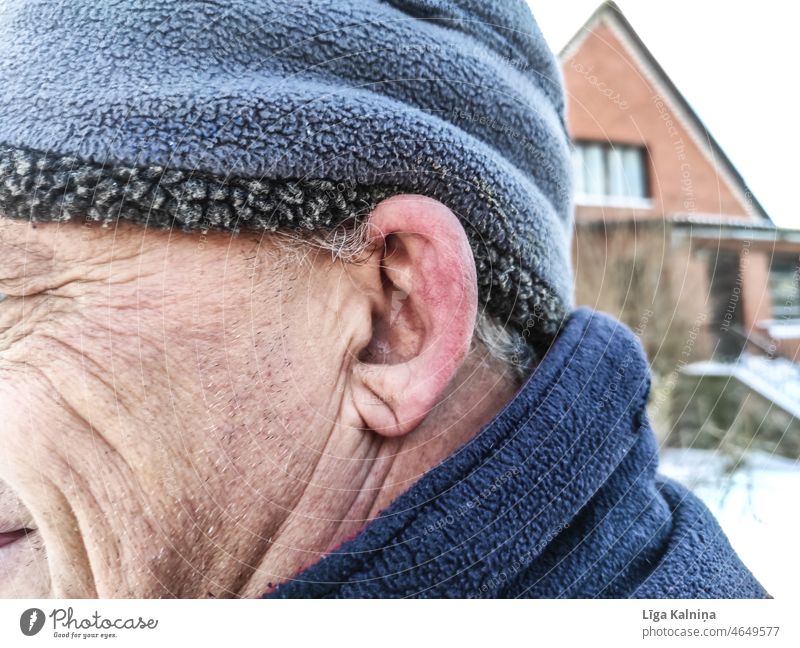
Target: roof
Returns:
[610, 12]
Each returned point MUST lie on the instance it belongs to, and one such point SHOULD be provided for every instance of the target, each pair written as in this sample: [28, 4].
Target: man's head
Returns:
[259, 279]
[201, 414]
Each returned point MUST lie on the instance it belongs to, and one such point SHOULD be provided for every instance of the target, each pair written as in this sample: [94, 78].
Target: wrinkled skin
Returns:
[203, 415]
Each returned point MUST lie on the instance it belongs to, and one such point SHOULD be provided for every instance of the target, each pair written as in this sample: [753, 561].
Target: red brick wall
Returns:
[789, 349]
[610, 99]
[756, 302]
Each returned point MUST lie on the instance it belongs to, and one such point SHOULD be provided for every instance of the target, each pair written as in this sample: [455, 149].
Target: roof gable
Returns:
[608, 15]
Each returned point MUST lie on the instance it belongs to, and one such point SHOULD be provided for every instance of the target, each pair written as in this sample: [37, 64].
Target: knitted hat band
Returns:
[269, 114]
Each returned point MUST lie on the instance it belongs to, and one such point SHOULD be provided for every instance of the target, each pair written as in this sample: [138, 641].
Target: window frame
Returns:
[608, 149]
[790, 265]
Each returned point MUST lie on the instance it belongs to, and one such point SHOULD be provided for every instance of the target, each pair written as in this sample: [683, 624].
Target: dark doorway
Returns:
[726, 293]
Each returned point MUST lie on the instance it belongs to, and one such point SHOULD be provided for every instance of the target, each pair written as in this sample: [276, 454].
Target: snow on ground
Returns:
[777, 379]
[756, 505]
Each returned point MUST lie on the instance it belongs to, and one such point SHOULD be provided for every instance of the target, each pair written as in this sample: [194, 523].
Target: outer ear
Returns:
[424, 284]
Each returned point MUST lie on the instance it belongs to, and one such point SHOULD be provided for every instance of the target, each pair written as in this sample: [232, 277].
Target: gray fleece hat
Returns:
[270, 114]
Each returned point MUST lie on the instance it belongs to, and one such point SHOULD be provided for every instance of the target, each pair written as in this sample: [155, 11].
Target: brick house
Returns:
[668, 236]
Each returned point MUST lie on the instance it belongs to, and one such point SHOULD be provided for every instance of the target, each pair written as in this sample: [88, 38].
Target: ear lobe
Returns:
[423, 316]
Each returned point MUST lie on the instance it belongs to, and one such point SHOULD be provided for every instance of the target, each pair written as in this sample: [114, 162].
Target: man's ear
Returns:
[422, 286]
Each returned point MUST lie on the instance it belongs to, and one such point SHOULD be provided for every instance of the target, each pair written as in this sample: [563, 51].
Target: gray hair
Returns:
[503, 344]
[35, 185]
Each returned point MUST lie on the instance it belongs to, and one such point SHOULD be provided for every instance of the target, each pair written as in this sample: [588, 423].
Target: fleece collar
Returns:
[557, 496]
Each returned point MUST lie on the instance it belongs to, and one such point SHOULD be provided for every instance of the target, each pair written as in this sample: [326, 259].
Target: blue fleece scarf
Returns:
[557, 497]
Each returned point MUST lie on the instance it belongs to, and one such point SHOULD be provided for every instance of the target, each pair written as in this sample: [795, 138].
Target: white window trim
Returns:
[788, 329]
[631, 202]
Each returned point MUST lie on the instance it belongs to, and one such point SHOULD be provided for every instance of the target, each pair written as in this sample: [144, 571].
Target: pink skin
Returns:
[188, 415]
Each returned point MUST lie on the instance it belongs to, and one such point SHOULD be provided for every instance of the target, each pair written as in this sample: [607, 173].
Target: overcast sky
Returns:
[737, 63]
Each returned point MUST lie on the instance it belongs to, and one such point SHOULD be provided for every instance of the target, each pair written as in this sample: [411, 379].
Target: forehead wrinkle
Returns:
[38, 257]
[15, 237]
[22, 258]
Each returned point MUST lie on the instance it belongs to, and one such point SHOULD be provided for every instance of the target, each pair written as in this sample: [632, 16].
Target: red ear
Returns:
[421, 337]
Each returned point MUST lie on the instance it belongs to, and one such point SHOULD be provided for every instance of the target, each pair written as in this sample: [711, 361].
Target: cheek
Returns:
[99, 475]
[145, 443]
[34, 458]
[37, 430]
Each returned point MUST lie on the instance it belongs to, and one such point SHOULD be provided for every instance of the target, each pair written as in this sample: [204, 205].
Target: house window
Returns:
[784, 287]
[603, 170]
